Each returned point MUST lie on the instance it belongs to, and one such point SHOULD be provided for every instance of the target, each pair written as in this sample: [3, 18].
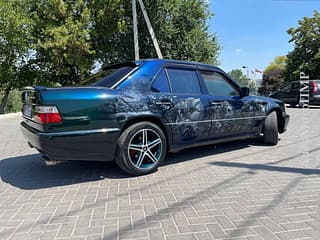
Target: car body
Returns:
[143, 110]
[290, 93]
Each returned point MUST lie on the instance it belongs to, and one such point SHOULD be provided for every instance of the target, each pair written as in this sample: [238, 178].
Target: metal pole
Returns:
[153, 36]
[248, 76]
[135, 30]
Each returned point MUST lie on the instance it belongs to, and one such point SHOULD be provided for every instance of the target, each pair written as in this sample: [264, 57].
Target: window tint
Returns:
[184, 81]
[287, 87]
[107, 78]
[295, 85]
[141, 78]
[218, 85]
[161, 83]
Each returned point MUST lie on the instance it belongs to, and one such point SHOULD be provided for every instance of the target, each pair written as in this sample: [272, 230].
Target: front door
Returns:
[231, 115]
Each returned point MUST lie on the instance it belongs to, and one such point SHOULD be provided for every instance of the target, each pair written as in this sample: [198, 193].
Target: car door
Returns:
[231, 115]
[285, 94]
[183, 108]
[294, 93]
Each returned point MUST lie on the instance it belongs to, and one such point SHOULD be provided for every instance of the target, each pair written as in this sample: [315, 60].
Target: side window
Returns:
[184, 81]
[295, 86]
[287, 87]
[218, 85]
[161, 83]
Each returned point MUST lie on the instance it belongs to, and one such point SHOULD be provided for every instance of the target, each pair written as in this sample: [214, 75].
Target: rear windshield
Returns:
[107, 77]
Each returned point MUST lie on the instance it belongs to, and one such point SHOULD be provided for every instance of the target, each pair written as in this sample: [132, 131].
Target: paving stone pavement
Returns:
[241, 190]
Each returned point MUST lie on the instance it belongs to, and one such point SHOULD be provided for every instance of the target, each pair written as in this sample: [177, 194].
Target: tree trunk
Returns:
[4, 100]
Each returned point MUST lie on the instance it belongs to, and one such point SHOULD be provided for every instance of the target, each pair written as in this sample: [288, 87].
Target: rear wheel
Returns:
[270, 131]
[141, 148]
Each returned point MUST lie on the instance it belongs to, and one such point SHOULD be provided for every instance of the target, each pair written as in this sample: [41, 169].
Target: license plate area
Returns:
[27, 110]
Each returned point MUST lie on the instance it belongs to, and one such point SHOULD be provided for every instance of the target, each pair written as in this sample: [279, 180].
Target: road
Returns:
[239, 190]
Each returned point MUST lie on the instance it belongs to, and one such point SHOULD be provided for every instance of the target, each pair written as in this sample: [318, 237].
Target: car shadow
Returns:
[207, 150]
[30, 172]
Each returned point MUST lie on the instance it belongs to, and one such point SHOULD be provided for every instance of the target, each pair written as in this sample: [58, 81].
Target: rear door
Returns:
[184, 107]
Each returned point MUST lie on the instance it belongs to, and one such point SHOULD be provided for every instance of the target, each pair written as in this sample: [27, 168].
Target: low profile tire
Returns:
[270, 131]
[142, 147]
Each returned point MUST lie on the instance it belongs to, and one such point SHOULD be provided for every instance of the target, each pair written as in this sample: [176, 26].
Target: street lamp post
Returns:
[246, 67]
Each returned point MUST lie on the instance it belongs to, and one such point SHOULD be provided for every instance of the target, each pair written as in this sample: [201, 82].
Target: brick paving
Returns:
[240, 190]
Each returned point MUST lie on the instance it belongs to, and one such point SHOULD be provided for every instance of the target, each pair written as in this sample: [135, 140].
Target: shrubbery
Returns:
[14, 101]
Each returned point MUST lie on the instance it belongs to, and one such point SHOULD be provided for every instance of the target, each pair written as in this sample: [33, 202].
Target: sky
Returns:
[253, 32]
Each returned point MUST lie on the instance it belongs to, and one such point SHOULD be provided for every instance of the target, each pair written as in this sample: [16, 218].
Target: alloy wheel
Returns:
[145, 148]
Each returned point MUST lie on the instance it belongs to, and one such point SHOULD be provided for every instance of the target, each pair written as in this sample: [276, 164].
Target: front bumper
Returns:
[94, 145]
[286, 119]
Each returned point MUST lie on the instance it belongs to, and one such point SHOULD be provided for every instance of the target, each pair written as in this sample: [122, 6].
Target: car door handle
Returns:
[215, 103]
[165, 102]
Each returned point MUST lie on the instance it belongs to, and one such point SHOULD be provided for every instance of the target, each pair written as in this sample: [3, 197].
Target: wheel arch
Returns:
[153, 120]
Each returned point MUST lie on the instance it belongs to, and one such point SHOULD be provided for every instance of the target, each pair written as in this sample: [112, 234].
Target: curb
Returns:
[9, 115]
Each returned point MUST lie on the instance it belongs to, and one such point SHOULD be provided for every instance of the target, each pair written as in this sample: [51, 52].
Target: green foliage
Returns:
[180, 27]
[273, 75]
[14, 101]
[237, 74]
[305, 56]
[15, 42]
[59, 42]
[64, 47]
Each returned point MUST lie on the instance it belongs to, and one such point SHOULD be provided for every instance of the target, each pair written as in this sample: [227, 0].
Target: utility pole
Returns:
[135, 30]
[153, 36]
[150, 29]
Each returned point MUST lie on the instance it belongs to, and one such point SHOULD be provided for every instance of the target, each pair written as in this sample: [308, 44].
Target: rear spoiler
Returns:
[37, 88]
[119, 65]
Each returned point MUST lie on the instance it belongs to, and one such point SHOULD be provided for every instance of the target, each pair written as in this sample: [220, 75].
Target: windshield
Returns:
[107, 77]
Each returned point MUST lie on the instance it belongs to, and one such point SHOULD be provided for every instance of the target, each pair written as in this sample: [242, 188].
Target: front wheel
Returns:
[270, 131]
[141, 148]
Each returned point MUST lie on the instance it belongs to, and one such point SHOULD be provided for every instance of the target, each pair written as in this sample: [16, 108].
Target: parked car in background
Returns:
[290, 93]
[136, 112]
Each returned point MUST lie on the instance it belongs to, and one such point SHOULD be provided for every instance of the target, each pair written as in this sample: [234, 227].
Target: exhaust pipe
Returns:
[49, 162]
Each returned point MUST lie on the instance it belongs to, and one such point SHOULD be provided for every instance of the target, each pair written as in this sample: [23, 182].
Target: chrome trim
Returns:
[125, 77]
[218, 120]
[80, 132]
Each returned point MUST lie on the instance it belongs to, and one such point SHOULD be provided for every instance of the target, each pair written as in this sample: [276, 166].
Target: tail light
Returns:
[314, 87]
[47, 114]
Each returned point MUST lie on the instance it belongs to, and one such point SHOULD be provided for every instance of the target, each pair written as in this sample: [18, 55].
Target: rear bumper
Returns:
[94, 145]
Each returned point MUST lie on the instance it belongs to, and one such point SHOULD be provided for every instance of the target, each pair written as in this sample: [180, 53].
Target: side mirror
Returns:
[244, 91]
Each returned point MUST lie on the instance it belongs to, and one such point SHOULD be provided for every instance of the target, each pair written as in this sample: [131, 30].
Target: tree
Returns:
[15, 47]
[180, 27]
[237, 74]
[61, 41]
[273, 75]
[73, 35]
[305, 57]
[64, 50]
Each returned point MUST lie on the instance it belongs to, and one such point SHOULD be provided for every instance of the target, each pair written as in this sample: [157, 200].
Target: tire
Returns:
[270, 131]
[142, 147]
[293, 104]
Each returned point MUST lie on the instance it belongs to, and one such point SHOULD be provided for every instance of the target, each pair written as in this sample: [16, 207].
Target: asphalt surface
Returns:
[239, 190]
